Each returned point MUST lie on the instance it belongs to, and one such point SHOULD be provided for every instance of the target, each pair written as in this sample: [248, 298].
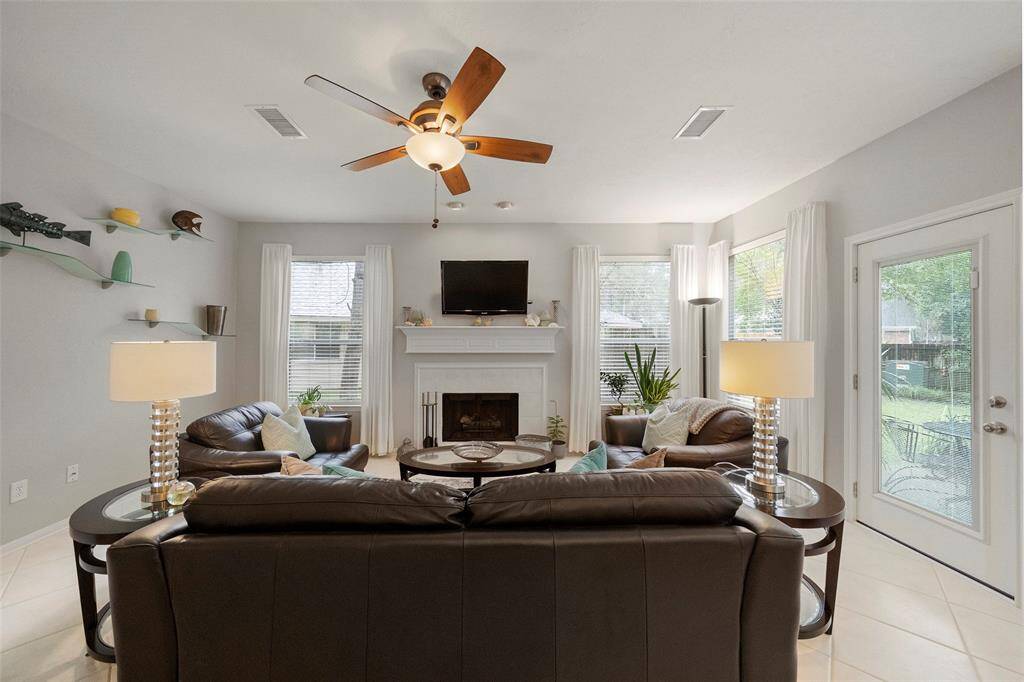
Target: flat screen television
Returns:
[484, 287]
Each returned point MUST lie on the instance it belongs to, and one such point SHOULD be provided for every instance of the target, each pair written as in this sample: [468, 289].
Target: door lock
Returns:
[997, 401]
[994, 427]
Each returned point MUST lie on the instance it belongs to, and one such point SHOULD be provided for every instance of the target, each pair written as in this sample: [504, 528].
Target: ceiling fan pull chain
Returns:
[435, 201]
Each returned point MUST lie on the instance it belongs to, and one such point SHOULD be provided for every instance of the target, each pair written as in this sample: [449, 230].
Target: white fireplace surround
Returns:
[529, 380]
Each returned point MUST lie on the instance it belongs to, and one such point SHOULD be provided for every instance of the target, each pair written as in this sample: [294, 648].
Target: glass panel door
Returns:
[925, 402]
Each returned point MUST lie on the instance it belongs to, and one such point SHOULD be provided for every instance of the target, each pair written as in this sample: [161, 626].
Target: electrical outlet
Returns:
[19, 490]
[72, 473]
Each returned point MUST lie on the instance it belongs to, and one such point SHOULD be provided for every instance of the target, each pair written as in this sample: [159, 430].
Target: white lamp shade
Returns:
[767, 369]
[432, 148]
[147, 371]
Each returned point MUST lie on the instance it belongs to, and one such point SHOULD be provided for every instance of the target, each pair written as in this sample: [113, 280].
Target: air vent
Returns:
[699, 123]
[278, 121]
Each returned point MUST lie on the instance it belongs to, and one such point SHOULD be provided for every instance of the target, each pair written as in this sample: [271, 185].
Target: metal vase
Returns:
[215, 316]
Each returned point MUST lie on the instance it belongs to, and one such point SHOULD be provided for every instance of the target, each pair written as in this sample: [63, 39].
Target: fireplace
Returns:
[479, 416]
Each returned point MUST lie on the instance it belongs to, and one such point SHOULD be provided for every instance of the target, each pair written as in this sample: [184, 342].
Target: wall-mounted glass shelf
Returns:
[174, 233]
[69, 264]
[186, 327]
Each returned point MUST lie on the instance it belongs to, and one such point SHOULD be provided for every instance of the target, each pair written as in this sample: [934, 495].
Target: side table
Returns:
[104, 520]
[807, 503]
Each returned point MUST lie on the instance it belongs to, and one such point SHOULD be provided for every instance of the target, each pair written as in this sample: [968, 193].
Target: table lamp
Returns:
[767, 370]
[162, 372]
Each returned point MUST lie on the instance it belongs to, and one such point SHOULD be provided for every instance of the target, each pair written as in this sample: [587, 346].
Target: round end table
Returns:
[104, 520]
[512, 460]
[806, 503]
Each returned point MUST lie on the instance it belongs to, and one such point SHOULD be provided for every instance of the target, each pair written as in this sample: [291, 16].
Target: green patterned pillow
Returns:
[338, 470]
[595, 460]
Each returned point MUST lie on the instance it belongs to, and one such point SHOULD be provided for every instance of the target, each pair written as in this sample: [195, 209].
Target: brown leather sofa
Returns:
[727, 437]
[228, 443]
[316, 578]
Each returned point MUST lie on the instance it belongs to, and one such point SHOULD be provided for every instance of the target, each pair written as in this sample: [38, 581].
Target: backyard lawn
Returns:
[920, 411]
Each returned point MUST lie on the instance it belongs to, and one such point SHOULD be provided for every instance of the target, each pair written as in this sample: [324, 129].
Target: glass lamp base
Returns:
[772, 488]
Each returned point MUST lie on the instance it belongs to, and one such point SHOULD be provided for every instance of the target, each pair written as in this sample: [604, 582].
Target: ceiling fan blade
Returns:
[375, 159]
[455, 179]
[472, 84]
[506, 148]
[357, 101]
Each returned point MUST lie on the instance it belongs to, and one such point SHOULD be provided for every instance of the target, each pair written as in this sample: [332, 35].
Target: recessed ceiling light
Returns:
[504, 205]
[455, 205]
[697, 126]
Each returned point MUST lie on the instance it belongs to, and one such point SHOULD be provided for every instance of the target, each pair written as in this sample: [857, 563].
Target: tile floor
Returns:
[900, 617]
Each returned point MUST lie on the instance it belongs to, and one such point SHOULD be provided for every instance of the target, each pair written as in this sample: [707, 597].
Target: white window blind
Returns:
[325, 331]
[634, 310]
[755, 296]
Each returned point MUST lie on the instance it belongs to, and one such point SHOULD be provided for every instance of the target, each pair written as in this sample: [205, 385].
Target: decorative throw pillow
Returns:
[287, 432]
[595, 460]
[293, 466]
[655, 460]
[666, 427]
[338, 470]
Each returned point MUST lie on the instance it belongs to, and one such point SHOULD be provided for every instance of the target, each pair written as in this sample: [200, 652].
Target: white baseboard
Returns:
[33, 536]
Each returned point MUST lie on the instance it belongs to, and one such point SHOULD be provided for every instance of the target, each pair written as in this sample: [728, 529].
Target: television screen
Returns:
[484, 287]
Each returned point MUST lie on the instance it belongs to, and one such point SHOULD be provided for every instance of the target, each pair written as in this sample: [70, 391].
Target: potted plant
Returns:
[309, 402]
[616, 382]
[652, 389]
[556, 432]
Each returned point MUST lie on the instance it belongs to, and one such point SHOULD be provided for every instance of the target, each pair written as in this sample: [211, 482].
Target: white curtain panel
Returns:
[585, 393]
[275, 297]
[684, 321]
[718, 329]
[376, 420]
[805, 318]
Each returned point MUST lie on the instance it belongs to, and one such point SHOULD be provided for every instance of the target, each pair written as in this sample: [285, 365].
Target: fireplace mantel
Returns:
[466, 339]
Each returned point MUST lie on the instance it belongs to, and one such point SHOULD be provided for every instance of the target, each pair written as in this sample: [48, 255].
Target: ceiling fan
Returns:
[437, 143]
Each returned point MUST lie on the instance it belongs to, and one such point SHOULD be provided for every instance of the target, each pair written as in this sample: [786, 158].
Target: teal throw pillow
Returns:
[338, 470]
[595, 460]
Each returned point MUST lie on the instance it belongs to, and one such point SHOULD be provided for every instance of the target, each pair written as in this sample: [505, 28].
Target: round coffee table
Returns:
[104, 520]
[807, 503]
[441, 461]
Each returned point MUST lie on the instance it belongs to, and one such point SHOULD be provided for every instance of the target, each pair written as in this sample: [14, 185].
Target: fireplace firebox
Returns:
[479, 416]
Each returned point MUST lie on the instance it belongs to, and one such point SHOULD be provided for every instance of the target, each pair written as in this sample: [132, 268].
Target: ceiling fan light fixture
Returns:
[435, 151]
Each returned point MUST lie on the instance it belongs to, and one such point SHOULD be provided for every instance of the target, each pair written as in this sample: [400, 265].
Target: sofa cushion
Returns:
[270, 503]
[655, 460]
[724, 427]
[666, 426]
[623, 496]
[236, 428]
[620, 456]
[353, 459]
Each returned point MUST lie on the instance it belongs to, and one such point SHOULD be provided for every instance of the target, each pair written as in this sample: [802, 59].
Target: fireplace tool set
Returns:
[428, 401]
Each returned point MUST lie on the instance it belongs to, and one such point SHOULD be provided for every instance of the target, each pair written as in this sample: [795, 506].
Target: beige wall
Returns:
[55, 330]
[966, 149]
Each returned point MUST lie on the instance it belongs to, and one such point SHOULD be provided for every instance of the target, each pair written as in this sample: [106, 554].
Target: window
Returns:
[634, 310]
[325, 330]
[755, 293]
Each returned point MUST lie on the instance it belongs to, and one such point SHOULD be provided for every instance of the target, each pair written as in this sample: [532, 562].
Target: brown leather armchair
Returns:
[228, 443]
[727, 437]
[617, 575]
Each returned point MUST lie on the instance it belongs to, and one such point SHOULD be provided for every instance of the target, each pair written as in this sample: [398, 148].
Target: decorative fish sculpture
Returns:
[19, 221]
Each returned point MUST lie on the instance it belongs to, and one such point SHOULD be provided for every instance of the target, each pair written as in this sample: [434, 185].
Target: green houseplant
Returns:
[309, 402]
[652, 389]
[616, 382]
[556, 432]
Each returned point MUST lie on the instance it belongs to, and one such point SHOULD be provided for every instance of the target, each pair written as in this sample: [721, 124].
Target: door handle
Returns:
[997, 401]
[994, 427]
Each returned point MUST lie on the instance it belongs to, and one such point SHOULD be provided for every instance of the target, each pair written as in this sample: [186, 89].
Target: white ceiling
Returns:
[160, 89]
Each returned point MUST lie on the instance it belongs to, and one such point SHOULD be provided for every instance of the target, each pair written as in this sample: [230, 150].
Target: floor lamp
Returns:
[703, 304]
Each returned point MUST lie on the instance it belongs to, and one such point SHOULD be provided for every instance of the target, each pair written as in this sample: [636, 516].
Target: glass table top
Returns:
[128, 506]
[511, 457]
[797, 494]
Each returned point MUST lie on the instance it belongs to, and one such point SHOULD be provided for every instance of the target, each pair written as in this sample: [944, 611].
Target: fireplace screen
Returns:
[479, 416]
